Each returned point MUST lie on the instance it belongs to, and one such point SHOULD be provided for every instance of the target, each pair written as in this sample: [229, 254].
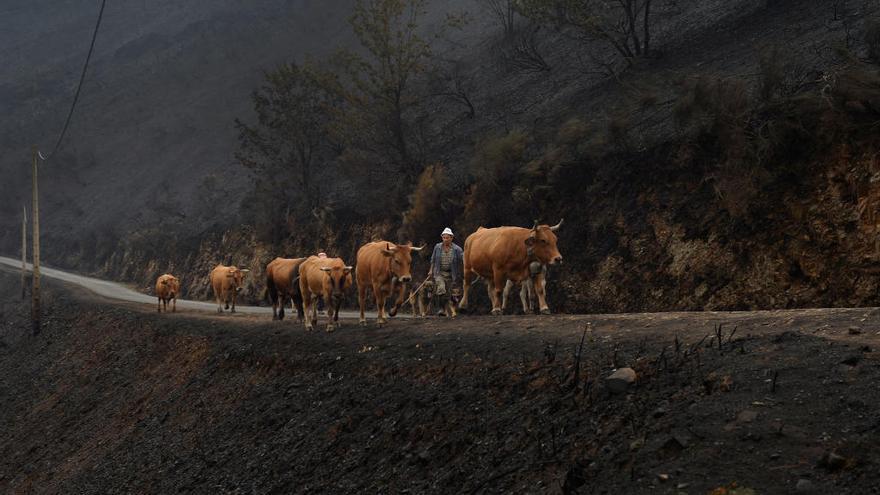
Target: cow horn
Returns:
[347, 269]
[244, 270]
[326, 269]
[556, 227]
[535, 227]
[417, 248]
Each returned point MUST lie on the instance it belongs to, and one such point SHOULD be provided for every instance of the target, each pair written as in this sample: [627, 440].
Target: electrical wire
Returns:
[82, 77]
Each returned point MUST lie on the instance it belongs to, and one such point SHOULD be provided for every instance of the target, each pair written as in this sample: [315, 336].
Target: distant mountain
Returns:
[156, 113]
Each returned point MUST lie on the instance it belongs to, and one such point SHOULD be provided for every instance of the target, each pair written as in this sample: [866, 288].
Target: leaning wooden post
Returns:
[23, 250]
[35, 212]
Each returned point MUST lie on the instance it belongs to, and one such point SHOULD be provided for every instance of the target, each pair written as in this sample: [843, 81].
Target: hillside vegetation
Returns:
[705, 155]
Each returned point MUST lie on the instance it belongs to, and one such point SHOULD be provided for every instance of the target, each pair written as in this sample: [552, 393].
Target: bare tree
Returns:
[452, 79]
[505, 15]
[625, 25]
[524, 55]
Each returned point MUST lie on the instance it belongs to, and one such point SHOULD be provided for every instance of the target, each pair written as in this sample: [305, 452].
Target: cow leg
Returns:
[219, 303]
[466, 286]
[542, 297]
[174, 305]
[298, 304]
[401, 295]
[281, 301]
[525, 293]
[159, 305]
[333, 323]
[273, 297]
[314, 305]
[309, 308]
[504, 295]
[234, 295]
[380, 304]
[498, 280]
[493, 297]
[362, 302]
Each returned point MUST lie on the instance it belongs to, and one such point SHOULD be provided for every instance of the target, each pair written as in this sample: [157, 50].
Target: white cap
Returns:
[447, 230]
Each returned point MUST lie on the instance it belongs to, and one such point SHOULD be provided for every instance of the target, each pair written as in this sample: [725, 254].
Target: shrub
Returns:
[426, 213]
[496, 160]
[573, 131]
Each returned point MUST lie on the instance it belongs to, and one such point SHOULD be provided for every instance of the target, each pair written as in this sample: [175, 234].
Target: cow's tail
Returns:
[271, 292]
[297, 296]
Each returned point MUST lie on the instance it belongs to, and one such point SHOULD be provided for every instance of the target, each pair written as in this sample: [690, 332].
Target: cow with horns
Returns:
[505, 253]
[329, 278]
[384, 267]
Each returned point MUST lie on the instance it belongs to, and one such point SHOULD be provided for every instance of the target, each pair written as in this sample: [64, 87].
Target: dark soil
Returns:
[117, 399]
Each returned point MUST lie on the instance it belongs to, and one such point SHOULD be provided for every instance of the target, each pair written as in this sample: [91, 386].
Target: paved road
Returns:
[112, 290]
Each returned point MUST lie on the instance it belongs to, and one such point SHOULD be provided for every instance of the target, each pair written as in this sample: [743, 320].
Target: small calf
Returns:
[167, 289]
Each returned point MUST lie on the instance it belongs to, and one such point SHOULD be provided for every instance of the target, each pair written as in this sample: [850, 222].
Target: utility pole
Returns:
[23, 249]
[35, 211]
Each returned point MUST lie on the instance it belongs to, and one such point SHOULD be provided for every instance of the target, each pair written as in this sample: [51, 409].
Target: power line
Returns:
[79, 86]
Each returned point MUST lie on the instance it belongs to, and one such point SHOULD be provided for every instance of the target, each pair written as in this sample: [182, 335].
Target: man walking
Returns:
[447, 265]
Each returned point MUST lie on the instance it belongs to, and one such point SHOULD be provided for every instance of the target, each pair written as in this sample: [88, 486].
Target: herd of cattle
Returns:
[500, 256]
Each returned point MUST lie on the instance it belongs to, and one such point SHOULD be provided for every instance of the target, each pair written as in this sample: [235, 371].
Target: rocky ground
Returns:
[117, 399]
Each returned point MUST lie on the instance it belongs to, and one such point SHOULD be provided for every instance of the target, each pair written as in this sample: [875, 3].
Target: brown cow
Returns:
[504, 253]
[327, 277]
[282, 284]
[167, 289]
[385, 267]
[227, 283]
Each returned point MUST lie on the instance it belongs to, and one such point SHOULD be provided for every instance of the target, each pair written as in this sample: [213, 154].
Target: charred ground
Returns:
[113, 398]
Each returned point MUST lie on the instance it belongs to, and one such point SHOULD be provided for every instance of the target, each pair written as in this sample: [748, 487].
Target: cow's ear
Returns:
[387, 252]
[530, 240]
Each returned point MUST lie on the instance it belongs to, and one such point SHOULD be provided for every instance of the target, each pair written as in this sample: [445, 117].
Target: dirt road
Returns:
[118, 292]
[115, 398]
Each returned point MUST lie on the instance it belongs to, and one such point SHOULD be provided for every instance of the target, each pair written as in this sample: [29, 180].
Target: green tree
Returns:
[285, 147]
[376, 126]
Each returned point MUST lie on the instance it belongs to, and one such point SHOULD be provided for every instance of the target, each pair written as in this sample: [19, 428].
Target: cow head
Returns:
[400, 258]
[236, 277]
[338, 279]
[541, 243]
[171, 284]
